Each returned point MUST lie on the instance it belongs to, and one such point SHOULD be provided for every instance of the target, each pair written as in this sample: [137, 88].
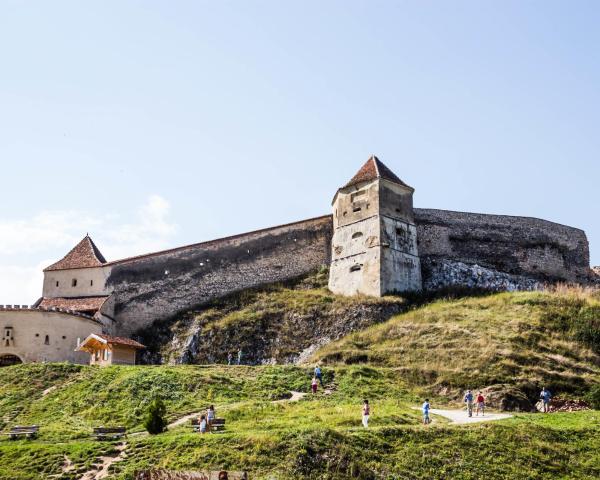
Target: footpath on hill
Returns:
[459, 416]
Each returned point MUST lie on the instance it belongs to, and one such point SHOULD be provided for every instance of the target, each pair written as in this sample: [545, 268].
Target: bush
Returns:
[594, 396]
[155, 421]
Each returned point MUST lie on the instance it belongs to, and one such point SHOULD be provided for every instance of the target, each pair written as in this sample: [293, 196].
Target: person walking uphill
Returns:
[319, 375]
[313, 385]
[366, 411]
[469, 401]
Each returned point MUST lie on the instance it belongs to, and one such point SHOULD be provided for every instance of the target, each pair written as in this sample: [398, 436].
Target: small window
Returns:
[64, 337]
[47, 340]
[74, 282]
[57, 283]
[357, 235]
[37, 334]
[91, 283]
[355, 268]
[356, 209]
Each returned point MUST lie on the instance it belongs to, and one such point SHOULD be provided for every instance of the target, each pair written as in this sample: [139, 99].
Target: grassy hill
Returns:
[526, 339]
[439, 348]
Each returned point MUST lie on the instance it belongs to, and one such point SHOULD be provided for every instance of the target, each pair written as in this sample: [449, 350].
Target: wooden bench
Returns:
[28, 432]
[217, 425]
[102, 433]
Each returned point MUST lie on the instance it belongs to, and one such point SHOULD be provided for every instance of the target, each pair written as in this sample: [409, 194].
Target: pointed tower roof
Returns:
[85, 254]
[372, 170]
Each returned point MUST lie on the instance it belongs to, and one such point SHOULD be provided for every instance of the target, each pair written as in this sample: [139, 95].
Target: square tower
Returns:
[374, 245]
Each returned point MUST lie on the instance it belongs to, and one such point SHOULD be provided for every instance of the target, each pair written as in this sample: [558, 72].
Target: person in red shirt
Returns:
[480, 404]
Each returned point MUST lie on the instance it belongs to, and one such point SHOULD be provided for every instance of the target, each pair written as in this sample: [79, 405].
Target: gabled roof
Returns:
[85, 254]
[372, 170]
[99, 339]
[79, 304]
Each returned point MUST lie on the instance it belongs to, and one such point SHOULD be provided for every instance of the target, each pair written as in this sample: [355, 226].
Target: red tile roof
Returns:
[120, 341]
[80, 304]
[85, 254]
[372, 170]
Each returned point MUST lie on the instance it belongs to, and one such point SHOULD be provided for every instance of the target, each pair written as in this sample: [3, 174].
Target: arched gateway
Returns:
[7, 360]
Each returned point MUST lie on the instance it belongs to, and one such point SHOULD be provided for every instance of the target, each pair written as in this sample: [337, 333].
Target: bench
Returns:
[102, 433]
[217, 425]
[28, 432]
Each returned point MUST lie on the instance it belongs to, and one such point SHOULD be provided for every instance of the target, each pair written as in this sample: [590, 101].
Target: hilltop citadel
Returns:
[374, 242]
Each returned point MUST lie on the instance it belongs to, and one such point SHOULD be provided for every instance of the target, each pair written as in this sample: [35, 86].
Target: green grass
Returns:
[526, 339]
[523, 339]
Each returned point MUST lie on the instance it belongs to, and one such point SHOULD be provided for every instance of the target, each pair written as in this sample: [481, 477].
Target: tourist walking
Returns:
[480, 404]
[545, 397]
[210, 416]
[314, 385]
[239, 357]
[229, 358]
[425, 408]
[469, 401]
[366, 411]
[319, 375]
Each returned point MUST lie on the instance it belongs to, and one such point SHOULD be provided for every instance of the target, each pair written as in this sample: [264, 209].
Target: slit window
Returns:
[357, 235]
[57, 283]
[91, 283]
[355, 268]
[74, 282]
[47, 340]
[356, 209]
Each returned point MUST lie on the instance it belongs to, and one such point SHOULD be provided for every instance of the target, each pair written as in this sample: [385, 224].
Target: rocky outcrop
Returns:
[439, 274]
[506, 398]
[284, 325]
[596, 275]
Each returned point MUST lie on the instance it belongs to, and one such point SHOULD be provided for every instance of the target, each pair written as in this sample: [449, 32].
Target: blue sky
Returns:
[155, 124]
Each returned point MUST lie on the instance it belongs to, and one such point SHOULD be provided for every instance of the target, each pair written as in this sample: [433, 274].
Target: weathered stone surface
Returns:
[158, 286]
[515, 245]
[506, 398]
[596, 275]
[439, 274]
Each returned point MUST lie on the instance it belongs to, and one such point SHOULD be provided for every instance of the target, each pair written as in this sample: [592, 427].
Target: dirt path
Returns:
[100, 469]
[460, 416]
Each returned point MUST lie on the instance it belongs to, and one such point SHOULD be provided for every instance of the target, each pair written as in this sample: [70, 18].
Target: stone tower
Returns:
[374, 246]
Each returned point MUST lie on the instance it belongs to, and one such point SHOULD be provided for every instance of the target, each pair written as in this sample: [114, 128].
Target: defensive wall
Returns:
[515, 251]
[158, 286]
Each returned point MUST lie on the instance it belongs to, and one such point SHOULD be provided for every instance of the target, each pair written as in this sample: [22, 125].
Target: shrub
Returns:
[155, 421]
[594, 396]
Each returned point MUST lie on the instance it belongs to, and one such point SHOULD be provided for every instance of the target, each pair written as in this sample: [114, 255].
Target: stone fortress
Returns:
[375, 243]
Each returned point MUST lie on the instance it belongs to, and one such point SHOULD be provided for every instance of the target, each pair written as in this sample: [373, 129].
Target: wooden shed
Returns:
[109, 350]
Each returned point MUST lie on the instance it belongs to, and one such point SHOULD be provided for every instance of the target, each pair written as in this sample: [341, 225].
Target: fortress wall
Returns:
[515, 245]
[158, 286]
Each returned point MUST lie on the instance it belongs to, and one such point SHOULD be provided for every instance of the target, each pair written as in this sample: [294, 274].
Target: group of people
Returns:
[206, 420]
[230, 357]
[469, 399]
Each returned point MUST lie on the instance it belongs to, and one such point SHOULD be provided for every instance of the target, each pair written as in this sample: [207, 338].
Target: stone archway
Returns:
[8, 359]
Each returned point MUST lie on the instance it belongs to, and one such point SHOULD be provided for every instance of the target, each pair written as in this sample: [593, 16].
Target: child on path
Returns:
[319, 375]
[426, 407]
[314, 385]
[545, 396]
[365, 414]
[480, 404]
[469, 401]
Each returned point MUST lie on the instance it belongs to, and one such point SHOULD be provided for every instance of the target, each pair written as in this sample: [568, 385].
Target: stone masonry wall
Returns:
[455, 249]
[515, 245]
[158, 286]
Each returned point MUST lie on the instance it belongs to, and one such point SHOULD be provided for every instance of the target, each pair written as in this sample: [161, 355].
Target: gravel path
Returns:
[460, 416]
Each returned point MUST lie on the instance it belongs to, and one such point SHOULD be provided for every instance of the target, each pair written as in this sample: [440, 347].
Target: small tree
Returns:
[155, 421]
